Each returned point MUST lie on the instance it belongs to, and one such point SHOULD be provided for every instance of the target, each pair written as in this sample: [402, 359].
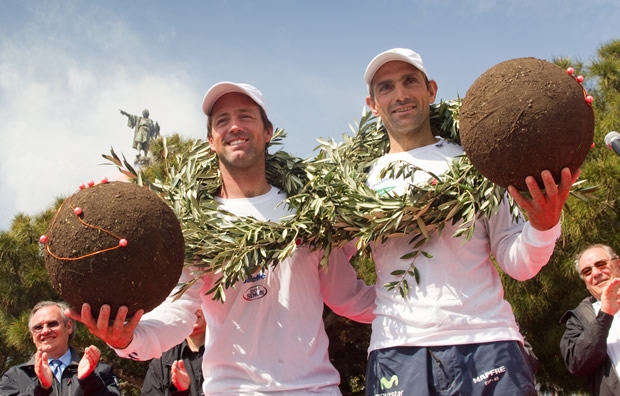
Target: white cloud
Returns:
[59, 105]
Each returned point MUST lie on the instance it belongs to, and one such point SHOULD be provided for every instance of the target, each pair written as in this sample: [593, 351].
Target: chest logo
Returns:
[255, 292]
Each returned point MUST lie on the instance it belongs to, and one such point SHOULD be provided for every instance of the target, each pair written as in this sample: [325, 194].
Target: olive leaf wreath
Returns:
[331, 201]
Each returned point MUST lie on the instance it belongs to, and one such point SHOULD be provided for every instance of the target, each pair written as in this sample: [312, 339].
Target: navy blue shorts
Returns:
[497, 368]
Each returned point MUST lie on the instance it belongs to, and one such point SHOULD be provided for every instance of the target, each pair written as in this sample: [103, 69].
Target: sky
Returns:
[68, 66]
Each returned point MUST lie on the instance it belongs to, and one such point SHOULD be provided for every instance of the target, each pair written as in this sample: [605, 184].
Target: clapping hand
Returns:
[43, 369]
[89, 361]
[179, 375]
[609, 297]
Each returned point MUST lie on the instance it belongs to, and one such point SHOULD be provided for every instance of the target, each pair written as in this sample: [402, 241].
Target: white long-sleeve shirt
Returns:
[459, 298]
[268, 337]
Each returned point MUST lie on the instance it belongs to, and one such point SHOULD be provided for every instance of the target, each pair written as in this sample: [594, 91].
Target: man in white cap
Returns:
[454, 333]
[268, 337]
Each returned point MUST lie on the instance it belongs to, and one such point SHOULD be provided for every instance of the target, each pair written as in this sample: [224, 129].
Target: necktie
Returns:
[57, 368]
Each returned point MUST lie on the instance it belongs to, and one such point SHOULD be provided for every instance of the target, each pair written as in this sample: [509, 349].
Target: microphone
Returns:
[612, 140]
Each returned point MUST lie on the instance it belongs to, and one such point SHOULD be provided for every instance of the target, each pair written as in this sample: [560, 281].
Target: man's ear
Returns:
[432, 90]
[614, 266]
[371, 105]
[268, 134]
[70, 326]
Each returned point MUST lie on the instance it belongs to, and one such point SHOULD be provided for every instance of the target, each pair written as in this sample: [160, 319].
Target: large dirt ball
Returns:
[523, 116]
[85, 259]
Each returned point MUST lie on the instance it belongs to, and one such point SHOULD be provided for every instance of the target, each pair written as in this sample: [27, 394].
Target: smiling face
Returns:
[238, 134]
[595, 265]
[49, 331]
[401, 96]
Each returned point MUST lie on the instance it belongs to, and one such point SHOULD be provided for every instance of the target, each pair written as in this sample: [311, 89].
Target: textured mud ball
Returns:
[523, 116]
[86, 263]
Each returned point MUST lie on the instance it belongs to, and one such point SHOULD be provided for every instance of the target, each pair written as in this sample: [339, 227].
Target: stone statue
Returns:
[144, 130]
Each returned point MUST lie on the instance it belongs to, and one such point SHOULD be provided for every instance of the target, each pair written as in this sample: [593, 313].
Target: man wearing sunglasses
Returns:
[591, 342]
[56, 368]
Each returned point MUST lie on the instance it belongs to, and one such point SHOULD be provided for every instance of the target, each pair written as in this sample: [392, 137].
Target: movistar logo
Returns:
[388, 384]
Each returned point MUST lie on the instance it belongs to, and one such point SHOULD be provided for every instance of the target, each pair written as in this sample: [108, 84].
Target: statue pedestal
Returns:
[141, 161]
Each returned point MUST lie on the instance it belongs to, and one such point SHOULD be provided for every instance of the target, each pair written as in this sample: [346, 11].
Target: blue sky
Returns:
[67, 67]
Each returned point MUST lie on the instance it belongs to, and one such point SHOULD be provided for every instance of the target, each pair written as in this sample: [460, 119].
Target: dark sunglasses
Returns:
[587, 271]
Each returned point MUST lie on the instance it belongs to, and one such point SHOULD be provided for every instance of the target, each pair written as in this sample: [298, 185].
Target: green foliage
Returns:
[23, 282]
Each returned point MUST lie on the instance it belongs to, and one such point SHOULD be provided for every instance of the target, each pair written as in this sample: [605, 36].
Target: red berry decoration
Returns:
[580, 79]
[91, 183]
[104, 180]
[570, 71]
[43, 239]
[589, 99]
[88, 258]
[82, 186]
[77, 211]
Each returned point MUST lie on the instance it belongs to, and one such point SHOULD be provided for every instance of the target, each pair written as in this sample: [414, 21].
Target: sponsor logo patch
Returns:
[254, 292]
[388, 384]
[255, 278]
[490, 376]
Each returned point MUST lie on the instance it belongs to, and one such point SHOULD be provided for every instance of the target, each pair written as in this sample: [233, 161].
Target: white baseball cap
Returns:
[222, 88]
[394, 54]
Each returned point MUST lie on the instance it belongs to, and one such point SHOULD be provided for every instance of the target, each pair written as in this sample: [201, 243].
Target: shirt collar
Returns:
[65, 359]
